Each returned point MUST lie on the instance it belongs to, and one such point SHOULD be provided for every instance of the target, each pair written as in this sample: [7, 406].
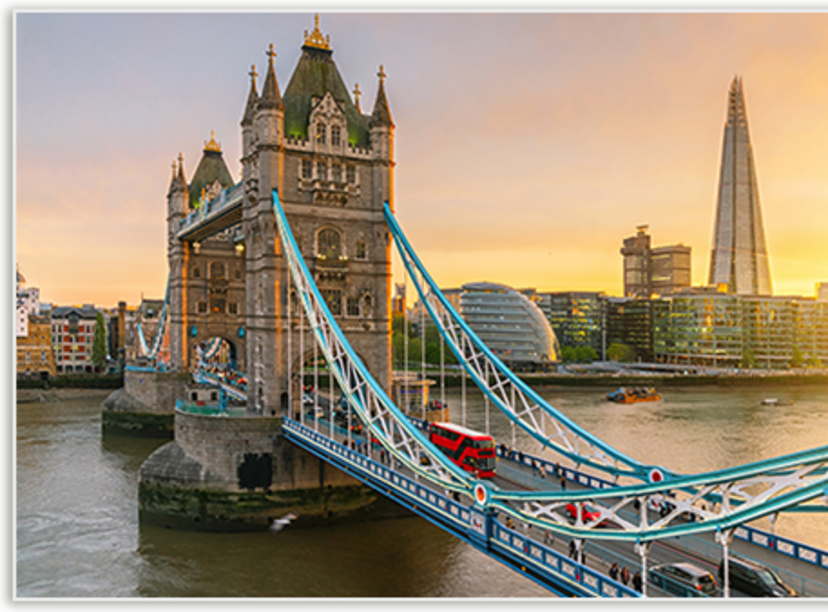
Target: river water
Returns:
[77, 530]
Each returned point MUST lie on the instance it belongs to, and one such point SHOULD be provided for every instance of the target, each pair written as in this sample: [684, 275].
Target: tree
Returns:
[99, 351]
[748, 358]
[585, 354]
[796, 358]
[620, 352]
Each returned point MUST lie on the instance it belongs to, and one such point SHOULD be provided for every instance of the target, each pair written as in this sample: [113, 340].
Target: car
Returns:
[754, 579]
[587, 514]
[683, 579]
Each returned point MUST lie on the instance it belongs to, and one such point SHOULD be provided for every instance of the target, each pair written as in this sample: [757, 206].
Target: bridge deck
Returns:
[807, 579]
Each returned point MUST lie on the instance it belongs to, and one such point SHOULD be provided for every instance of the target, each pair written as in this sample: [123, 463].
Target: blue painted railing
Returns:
[472, 524]
[758, 537]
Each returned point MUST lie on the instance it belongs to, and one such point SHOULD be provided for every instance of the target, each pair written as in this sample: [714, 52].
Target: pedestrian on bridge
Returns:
[572, 549]
[543, 471]
[613, 571]
[625, 575]
[548, 538]
[637, 581]
[563, 483]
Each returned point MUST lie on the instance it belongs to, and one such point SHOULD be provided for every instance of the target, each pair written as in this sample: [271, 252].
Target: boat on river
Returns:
[632, 395]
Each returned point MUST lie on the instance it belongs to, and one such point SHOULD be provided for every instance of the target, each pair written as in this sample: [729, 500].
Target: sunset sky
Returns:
[528, 145]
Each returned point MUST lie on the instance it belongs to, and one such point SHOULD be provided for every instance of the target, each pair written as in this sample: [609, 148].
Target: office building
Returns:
[739, 257]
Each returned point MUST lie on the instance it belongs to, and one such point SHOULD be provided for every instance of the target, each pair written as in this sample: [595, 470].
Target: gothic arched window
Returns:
[336, 135]
[320, 133]
[329, 243]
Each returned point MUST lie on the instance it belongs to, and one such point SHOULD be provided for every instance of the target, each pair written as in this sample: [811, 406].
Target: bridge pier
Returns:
[239, 473]
[144, 406]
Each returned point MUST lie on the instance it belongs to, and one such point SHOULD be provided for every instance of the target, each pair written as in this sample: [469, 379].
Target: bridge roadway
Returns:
[807, 579]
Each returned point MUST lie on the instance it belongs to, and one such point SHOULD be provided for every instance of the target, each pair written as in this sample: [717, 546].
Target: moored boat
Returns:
[631, 395]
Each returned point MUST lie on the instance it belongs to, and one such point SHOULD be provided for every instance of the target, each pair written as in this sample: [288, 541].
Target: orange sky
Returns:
[527, 145]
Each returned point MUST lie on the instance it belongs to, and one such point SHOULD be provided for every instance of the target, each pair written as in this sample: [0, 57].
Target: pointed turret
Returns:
[252, 99]
[211, 169]
[382, 113]
[271, 98]
[315, 75]
[739, 257]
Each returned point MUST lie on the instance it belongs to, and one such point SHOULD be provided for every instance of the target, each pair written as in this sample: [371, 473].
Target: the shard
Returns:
[739, 258]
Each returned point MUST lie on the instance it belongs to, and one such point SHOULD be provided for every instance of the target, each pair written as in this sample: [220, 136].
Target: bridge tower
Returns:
[207, 273]
[333, 168]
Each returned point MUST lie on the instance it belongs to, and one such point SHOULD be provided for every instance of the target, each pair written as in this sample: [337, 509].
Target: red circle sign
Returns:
[656, 475]
[481, 494]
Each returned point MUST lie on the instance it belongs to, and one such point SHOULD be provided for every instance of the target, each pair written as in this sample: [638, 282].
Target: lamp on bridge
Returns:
[239, 248]
[196, 247]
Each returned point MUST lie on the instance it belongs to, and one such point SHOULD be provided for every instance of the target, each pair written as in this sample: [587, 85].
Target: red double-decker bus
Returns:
[471, 450]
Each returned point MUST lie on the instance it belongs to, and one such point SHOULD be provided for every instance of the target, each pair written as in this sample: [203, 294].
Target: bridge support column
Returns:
[724, 538]
[643, 549]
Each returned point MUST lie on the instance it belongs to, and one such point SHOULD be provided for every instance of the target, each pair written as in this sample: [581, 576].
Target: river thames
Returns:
[78, 535]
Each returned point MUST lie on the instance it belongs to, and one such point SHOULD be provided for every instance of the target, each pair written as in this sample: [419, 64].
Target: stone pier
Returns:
[237, 473]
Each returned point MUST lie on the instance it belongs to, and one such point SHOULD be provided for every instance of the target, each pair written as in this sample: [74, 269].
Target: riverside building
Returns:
[510, 324]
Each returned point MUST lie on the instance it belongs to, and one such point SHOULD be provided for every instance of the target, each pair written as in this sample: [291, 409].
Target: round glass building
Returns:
[510, 324]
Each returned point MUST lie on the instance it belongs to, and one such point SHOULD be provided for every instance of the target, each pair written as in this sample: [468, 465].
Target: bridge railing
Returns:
[534, 558]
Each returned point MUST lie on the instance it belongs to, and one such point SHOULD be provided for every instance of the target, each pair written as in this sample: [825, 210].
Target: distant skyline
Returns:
[528, 145]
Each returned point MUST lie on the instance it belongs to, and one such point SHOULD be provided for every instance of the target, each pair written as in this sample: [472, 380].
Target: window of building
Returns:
[350, 174]
[217, 305]
[237, 273]
[196, 272]
[321, 171]
[320, 133]
[43, 357]
[217, 270]
[336, 172]
[307, 169]
[233, 308]
[336, 137]
[329, 243]
[361, 250]
[353, 307]
[202, 307]
[333, 297]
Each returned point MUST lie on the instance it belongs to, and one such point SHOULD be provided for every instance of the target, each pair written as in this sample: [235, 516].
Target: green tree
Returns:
[99, 351]
[585, 354]
[748, 358]
[620, 352]
[567, 354]
[815, 361]
[796, 358]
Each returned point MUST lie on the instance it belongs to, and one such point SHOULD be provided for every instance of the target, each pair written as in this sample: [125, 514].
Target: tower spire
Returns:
[382, 113]
[739, 257]
[357, 93]
[252, 98]
[271, 98]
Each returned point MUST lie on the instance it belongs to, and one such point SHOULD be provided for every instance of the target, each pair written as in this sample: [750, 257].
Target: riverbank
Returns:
[612, 381]
[25, 396]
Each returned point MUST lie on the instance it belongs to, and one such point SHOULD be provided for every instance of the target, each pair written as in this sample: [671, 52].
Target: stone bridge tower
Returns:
[333, 168]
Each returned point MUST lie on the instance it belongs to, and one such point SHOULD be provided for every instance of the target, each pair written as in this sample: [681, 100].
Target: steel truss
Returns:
[733, 496]
[387, 424]
[519, 402]
[151, 353]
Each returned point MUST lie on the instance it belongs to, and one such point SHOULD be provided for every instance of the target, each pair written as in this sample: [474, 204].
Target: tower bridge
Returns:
[290, 267]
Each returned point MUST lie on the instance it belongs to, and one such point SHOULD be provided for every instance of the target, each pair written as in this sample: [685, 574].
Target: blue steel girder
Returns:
[151, 353]
[519, 402]
[746, 492]
[364, 394]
